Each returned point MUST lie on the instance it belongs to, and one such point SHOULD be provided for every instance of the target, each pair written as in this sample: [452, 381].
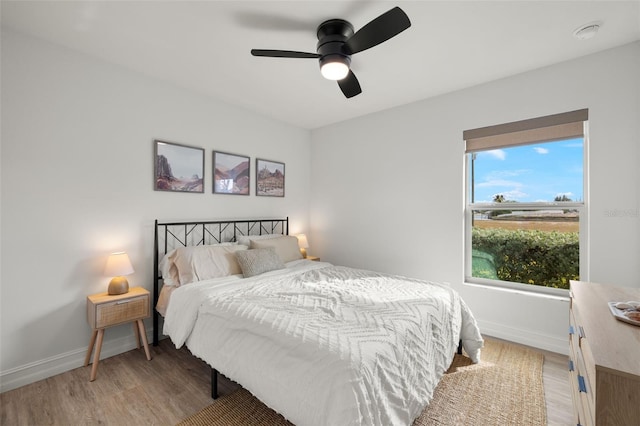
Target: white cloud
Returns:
[498, 182]
[498, 154]
[501, 174]
[541, 150]
[514, 195]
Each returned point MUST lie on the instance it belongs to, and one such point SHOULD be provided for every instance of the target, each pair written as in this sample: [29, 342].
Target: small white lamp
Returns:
[118, 265]
[303, 244]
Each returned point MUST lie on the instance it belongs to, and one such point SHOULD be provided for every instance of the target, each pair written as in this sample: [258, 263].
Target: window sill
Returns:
[548, 296]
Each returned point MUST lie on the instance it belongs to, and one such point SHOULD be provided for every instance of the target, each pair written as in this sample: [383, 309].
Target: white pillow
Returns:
[168, 270]
[286, 247]
[246, 239]
[197, 263]
[259, 261]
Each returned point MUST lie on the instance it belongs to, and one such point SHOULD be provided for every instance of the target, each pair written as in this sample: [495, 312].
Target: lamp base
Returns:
[304, 252]
[118, 285]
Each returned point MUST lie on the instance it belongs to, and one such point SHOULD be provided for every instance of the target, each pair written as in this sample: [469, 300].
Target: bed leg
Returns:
[460, 347]
[155, 329]
[214, 383]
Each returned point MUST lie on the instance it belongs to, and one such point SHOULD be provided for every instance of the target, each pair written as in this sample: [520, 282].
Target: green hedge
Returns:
[542, 258]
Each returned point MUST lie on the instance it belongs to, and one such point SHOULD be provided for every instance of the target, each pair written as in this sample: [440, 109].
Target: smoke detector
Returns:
[587, 31]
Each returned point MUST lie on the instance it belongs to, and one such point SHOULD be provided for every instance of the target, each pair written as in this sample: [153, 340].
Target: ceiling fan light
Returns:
[335, 68]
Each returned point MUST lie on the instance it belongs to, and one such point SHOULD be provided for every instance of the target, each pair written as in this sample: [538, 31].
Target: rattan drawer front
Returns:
[122, 311]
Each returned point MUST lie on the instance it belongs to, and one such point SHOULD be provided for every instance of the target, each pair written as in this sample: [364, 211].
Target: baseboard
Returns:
[525, 337]
[39, 370]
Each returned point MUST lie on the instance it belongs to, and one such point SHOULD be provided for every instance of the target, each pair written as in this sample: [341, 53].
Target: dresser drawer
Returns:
[581, 389]
[583, 380]
[585, 392]
[578, 410]
[589, 366]
[584, 358]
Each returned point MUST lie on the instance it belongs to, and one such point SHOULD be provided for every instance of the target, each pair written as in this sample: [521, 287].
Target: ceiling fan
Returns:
[337, 42]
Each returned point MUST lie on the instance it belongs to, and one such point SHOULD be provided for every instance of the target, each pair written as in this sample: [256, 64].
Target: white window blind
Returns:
[565, 125]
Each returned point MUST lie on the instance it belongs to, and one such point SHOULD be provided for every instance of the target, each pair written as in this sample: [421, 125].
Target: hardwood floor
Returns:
[129, 390]
[557, 391]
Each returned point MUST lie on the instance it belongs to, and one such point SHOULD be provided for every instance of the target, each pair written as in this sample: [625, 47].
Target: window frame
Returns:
[526, 132]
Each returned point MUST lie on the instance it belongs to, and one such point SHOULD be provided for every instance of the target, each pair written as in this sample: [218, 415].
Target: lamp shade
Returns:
[118, 265]
[302, 241]
[303, 244]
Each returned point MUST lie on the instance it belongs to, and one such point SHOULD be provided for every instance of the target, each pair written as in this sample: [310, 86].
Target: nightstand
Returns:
[314, 258]
[104, 310]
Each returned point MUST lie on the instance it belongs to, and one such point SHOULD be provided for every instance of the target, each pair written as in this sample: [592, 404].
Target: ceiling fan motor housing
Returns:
[337, 41]
[332, 35]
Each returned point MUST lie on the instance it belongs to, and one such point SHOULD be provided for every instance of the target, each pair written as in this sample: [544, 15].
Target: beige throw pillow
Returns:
[258, 261]
[286, 247]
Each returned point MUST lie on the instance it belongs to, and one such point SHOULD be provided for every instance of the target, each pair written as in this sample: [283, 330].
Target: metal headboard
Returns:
[171, 235]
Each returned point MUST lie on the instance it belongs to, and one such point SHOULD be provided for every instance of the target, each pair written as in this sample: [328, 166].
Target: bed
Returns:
[321, 344]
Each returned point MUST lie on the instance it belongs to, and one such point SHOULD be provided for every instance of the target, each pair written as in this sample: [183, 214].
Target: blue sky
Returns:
[531, 173]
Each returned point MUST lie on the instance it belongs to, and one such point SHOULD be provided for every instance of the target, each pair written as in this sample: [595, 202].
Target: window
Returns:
[525, 215]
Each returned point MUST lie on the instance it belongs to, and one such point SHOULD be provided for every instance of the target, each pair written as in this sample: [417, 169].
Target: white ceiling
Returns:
[204, 46]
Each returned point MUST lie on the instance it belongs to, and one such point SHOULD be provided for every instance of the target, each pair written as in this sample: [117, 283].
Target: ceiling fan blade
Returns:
[283, 54]
[350, 85]
[381, 29]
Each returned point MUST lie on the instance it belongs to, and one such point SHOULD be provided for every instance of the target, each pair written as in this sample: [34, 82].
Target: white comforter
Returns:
[326, 345]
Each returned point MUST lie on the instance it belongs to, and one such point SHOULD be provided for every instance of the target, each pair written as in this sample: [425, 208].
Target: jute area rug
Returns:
[505, 388]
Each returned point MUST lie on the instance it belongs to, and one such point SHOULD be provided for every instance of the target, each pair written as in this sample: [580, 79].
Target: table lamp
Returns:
[118, 265]
[303, 244]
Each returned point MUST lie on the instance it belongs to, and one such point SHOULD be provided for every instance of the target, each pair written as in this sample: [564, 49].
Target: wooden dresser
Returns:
[604, 357]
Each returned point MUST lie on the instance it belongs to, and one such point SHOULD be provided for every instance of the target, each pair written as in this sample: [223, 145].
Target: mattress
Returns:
[327, 345]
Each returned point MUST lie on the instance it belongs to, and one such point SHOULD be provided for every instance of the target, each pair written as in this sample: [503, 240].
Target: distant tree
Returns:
[562, 197]
[499, 198]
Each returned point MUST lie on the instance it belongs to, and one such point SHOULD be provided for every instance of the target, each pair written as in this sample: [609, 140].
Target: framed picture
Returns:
[231, 173]
[269, 178]
[178, 168]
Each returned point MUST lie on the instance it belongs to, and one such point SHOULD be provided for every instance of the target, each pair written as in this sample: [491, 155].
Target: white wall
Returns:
[77, 184]
[387, 189]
